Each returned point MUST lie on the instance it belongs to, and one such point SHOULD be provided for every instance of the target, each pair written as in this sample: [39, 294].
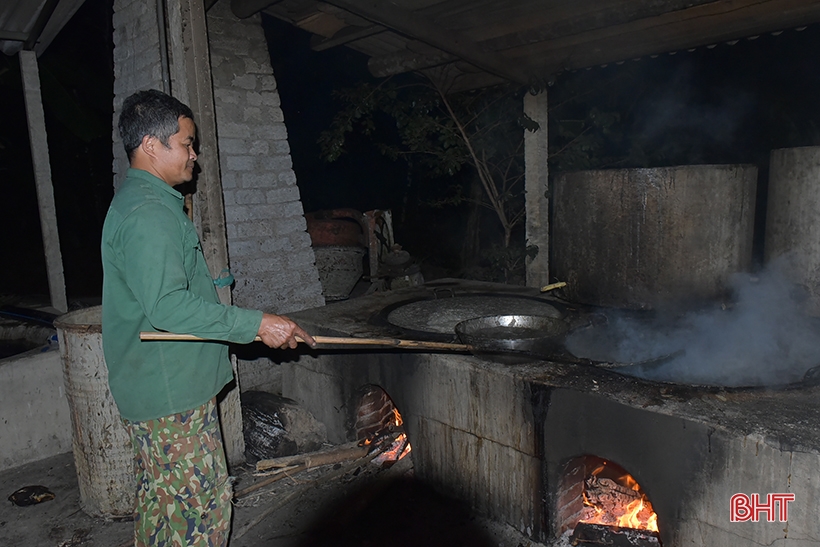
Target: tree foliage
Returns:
[442, 135]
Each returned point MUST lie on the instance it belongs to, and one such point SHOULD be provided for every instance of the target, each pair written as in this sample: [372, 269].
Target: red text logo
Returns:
[744, 508]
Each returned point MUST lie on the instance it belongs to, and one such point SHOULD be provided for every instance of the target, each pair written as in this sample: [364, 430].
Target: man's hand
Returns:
[277, 331]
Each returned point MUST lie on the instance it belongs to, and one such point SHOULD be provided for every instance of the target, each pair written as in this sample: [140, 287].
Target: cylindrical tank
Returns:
[340, 268]
[652, 238]
[792, 227]
[102, 449]
[338, 241]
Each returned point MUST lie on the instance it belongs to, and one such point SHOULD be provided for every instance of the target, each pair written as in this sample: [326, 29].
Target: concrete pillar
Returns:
[792, 230]
[42, 177]
[536, 185]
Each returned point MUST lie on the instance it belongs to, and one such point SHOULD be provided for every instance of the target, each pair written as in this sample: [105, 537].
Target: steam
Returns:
[764, 338]
[677, 109]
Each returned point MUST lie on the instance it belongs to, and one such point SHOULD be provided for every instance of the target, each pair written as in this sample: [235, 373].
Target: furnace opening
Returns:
[598, 500]
[377, 418]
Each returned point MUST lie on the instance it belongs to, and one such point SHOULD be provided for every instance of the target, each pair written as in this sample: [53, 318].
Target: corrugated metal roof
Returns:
[477, 42]
[33, 23]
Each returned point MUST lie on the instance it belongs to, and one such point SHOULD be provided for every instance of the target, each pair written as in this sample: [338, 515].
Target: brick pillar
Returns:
[137, 62]
[268, 244]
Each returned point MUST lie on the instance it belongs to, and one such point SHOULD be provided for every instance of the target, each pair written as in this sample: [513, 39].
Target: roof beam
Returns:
[246, 8]
[397, 63]
[344, 36]
[40, 24]
[13, 36]
[408, 23]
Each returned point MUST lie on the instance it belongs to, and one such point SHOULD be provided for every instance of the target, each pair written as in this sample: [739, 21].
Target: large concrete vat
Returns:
[102, 449]
[651, 238]
[793, 218]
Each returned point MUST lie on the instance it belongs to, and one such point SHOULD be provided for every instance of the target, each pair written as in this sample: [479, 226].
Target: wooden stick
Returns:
[553, 286]
[330, 340]
[341, 453]
[270, 480]
[324, 479]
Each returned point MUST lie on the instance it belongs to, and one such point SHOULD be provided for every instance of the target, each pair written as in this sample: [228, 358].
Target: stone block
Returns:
[252, 114]
[295, 230]
[291, 212]
[244, 247]
[245, 81]
[257, 66]
[275, 115]
[271, 263]
[248, 230]
[228, 96]
[229, 180]
[244, 197]
[301, 259]
[249, 213]
[233, 146]
[259, 147]
[257, 180]
[267, 83]
[123, 14]
[282, 195]
[287, 177]
[277, 163]
[229, 129]
[231, 111]
[278, 132]
[240, 163]
[230, 46]
[275, 245]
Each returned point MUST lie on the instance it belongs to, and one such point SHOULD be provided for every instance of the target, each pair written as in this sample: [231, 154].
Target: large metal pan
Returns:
[521, 336]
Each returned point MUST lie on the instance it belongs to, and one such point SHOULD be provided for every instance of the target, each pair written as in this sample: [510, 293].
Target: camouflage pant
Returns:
[183, 488]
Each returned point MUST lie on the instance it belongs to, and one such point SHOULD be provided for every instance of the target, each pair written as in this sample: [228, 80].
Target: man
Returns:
[155, 278]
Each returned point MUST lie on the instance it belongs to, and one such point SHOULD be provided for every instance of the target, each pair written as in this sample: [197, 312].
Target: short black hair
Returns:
[151, 113]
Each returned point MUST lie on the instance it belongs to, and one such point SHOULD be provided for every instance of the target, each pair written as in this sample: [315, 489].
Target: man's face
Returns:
[175, 163]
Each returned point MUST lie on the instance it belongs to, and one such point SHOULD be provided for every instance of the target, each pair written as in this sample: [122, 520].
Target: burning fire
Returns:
[399, 448]
[617, 501]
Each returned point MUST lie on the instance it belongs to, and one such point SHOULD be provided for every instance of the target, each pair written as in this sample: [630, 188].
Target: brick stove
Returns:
[508, 438]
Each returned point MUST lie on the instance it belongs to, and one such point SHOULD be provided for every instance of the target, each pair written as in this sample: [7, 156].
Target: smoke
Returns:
[679, 119]
[763, 338]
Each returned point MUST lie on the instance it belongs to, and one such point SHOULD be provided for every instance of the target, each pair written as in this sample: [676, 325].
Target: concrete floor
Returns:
[345, 505]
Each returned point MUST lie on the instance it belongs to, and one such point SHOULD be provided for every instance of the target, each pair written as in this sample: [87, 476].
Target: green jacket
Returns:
[155, 278]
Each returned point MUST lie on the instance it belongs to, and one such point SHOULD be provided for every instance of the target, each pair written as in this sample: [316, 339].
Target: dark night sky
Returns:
[729, 104]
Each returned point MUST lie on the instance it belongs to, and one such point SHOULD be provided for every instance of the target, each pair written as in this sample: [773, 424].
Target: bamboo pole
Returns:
[329, 340]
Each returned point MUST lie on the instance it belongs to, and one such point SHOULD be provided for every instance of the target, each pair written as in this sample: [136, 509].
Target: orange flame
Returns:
[637, 514]
[400, 447]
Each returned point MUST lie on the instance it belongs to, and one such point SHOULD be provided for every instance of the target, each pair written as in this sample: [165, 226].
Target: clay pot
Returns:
[336, 227]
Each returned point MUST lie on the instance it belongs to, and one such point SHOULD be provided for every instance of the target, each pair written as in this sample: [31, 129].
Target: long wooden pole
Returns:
[329, 340]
